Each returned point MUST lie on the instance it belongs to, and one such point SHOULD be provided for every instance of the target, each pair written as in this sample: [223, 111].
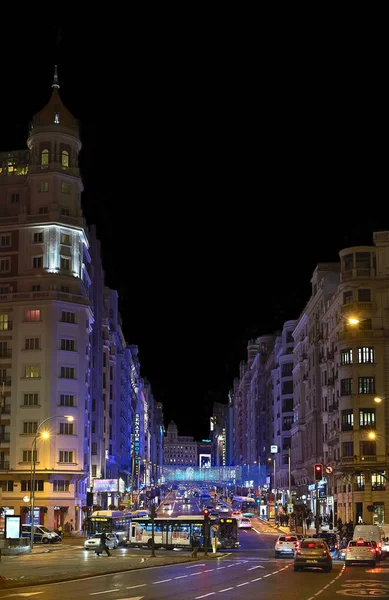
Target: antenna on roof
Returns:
[55, 82]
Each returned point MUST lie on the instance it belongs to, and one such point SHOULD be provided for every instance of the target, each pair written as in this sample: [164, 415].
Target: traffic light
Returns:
[206, 515]
[318, 472]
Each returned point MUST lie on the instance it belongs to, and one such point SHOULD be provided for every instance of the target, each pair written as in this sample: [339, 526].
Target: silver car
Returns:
[286, 545]
[313, 552]
[361, 551]
[93, 542]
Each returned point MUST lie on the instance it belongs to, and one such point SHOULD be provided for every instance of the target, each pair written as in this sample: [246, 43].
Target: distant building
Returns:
[179, 450]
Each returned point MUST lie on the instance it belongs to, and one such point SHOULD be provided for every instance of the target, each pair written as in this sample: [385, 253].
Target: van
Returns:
[384, 528]
[371, 532]
[41, 534]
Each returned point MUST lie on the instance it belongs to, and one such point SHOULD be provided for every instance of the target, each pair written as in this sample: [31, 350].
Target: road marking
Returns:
[162, 581]
[23, 594]
[198, 573]
[257, 579]
[208, 570]
[205, 595]
[131, 587]
[104, 592]
[219, 568]
[226, 590]
[181, 577]
[196, 566]
[240, 584]
[257, 567]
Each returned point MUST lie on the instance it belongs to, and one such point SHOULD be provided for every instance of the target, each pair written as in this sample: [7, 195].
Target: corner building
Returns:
[45, 321]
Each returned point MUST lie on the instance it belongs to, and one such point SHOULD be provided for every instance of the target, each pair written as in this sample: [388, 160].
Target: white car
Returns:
[93, 542]
[286, 545]
[166, 506]
[245, 522]
[360, 551]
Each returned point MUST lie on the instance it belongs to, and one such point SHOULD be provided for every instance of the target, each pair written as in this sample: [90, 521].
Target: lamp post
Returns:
[44, 435]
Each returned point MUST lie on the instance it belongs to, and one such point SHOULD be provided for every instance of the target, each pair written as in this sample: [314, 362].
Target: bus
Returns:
[112, 521]
[177, 532]
[244, 504]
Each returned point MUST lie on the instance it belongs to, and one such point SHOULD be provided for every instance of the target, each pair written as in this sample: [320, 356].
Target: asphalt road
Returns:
[251, 571]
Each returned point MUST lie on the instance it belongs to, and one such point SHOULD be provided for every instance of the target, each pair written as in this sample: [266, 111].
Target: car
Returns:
[313, 553]
[332, 541]
[140, 513]
[378, 552]
[166, 506]
[286, 545]
[41, 534]
[93, 542]
[245, 522]
[361, 551]
[370, 532]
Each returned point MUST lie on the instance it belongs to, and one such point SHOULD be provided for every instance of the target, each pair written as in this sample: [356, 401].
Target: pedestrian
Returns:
[103, 545]
[308, 521]
[195, 545]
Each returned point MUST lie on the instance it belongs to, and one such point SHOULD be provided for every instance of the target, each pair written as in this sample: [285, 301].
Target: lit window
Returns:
[32, 315]
[366, 355]
[65, 158]
[45, 158]
[32, 371]
[65, 239]
[5, 324]
[56, 118]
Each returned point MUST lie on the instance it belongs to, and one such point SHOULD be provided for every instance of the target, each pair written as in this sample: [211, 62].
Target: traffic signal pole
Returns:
[317, 507]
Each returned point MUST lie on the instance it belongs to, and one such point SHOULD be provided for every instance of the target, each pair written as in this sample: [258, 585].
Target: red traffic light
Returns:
[206, 512]
[318, 472]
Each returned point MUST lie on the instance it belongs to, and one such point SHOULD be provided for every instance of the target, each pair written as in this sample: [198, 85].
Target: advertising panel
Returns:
[205, 461]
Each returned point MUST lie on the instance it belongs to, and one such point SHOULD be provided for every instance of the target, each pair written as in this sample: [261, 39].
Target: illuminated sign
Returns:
[13, 526]
[205, 461]
[223, 447]
[137, 434]
[105, 485]
[273, 449]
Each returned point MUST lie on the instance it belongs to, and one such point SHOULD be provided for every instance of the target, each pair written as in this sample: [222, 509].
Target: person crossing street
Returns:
[103, 545]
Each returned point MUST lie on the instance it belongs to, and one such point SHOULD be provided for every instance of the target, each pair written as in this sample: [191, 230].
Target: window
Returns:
[94, 448]
[347, 297]
[66, 400]
[364, 295]
[68, 373]
[66, 456]
[28, 456]
[61, 485]
[65, 263]
[366, 385]
[37, 262]
[30, 426]
[32, 315]
[68, 317]
[15, 198]
[360, 482]
[348, 449]
[43, 186]
[5, 324]
[26, 485]
[56, 118]
[378, 481]
[36, 288]
[31, 399]
[45, 158]
[345, 387]
[43, 210]
[94, 470]
[68, 345]
[66, 428]
[347, 420]
[367, 418]
[5, 240]
[65, 158]
[367, 448]
[6, 486]
[5, 289]
[346, 357]
[65, 239]
[38, 237]
[365, 355]
[5, 265]
[32, 344]
[65, 189]
[32, 371]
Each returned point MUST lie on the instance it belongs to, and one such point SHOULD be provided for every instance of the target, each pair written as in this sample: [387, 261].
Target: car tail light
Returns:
[348, 550]
[372, 550]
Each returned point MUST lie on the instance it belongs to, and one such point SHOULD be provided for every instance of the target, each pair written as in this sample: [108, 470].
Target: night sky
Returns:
[219, 170]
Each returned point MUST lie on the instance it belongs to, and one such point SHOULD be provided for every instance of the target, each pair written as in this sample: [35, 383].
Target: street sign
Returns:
[290, 508]
[329, 470]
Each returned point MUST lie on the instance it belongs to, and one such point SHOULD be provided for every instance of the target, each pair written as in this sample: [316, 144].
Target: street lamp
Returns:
[44, 435]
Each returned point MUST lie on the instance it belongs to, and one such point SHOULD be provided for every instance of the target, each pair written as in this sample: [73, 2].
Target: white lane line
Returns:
[257, 579]
[245, 583]
[131, 587]
[219, 568]
[205, 595]
[196, 566]
[162, 581]
[105, 592]
[198, 573]
[226, 590]
[257, 567]
[268, 575]
[181, 577]
[208, 570]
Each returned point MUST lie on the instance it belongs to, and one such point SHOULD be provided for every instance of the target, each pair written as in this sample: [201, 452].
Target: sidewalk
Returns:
[306, 532]
[61, 564]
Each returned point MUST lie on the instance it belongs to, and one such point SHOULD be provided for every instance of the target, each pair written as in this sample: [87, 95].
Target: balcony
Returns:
[347, 460]
[287, 406]
[347, 428]
[5, 325]
[5, 410]
[6, 380]
[6, 353]
[4, 437]
[4, 465]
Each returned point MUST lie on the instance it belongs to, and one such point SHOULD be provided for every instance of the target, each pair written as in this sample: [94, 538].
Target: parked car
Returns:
[313, 553]
[286, 545]
[91, 543]
[361, 551]
[41, 534]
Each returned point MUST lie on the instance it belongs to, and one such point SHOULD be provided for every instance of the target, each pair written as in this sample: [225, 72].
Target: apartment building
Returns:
[179, 450]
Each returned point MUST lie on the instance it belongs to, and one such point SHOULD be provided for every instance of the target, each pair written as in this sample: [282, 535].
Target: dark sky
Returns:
[221, 164]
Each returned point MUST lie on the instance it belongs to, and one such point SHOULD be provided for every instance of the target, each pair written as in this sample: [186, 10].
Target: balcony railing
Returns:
[6, 353]
[4, 437]
[5, 410]
[6, 380]
[5, 325]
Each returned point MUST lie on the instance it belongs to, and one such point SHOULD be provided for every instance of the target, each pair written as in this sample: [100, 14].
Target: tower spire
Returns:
[55, 82]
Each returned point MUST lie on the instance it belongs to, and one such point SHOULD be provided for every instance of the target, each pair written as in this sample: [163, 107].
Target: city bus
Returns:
[244, 504]
[178, 532]
[112, 521]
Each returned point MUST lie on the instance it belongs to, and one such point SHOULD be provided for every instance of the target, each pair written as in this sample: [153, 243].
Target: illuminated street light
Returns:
[45, 435]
